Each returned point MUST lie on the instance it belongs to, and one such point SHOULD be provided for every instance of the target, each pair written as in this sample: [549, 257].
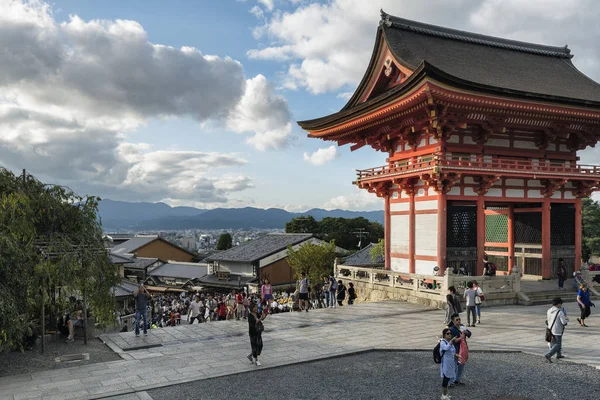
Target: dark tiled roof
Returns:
[363, 257]
[260, 248]
[491, 61]
[141, 263]
[211, 280]
[175, 270]
[133, 244]
[117, 259]
[126, 288]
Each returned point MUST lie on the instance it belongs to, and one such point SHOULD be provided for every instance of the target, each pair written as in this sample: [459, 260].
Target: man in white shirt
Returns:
[194, 312]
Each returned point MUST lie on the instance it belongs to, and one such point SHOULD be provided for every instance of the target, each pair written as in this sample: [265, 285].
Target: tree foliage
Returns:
[377, 251]
[590, 224]
[225, 241]
[341, 230]
[315, 260]
[50, 245]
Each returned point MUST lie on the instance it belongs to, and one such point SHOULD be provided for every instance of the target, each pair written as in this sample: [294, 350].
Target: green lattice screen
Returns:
[496, 228]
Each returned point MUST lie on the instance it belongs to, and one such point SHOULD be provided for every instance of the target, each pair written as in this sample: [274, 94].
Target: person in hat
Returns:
[556, 320]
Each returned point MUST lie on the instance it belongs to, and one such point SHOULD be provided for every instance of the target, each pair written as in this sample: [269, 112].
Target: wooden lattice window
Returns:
[496, 227]
[528, 227]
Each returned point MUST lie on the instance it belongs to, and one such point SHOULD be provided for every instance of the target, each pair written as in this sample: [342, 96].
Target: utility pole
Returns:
[360, 233]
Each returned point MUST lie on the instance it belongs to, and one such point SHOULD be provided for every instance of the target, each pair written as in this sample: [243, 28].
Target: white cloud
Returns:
[268, 4]
[357, 201]
[71, 91]
[344, 95]
[327, 46]
[263, 112]
[321, 156]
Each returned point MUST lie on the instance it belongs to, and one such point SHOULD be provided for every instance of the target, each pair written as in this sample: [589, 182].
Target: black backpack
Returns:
[437, 357]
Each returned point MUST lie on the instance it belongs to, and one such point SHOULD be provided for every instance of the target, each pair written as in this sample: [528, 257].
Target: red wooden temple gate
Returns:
[482, 135]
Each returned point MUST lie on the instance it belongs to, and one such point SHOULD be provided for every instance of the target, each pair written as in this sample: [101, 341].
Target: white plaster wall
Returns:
[454, 139]
[399, 234]
[425, 267]
[469, 191]
[534, 194]
[515, 193]
[420, 193]
[236, 267]
[423, 142]
[467, 139]
[487, 158]
[426, 231]
[524, 144]
[494, 193]
[556, 195]
[515, 182]
[399, 264]
[469, 179]
[569, 195]
[563, 147]
[394, 195]
[433, 141]
[455, 191]
[426, 205]
[498, 142]
[399, 206]
[534, 183]
[569, 185]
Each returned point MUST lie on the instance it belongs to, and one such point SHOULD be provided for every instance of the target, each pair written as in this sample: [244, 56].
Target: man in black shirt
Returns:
[141, 308]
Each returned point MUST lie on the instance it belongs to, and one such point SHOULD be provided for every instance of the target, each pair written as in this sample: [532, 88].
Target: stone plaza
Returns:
[188, 353]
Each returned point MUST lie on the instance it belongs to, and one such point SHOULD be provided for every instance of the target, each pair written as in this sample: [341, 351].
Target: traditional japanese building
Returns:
[481, 136]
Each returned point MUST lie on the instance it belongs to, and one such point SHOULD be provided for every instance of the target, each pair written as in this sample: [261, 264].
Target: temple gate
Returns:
[481, 135]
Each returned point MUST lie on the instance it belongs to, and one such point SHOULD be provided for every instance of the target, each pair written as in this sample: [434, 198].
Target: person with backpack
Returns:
[446, 351]
[459, 332]
[556, 320]
[333, 285]
[489, 268]
[478, 300]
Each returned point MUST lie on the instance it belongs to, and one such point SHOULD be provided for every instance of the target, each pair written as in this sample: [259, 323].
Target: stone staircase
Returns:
[546, 296]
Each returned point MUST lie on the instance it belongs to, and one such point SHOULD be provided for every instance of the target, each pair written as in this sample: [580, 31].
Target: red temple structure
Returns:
[482, 135]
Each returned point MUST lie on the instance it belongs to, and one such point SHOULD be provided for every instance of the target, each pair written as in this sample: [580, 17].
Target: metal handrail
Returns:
[495, 164]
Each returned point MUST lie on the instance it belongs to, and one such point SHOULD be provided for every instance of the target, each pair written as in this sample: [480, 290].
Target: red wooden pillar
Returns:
[577, 235]
[411, 234]
[546, 238]
[480, 233]
[442, 227]
[511, 237]
[387, 233]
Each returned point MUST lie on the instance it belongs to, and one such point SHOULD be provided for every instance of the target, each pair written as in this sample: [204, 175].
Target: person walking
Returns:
[341, 293]
[457, 299]
[194, 312]
[451, 310]
[255, 329]
[583, 299]
[326, 284]
[561, 273]
[141, 296]
[351, 293]
[459, 332]
[556, 321]
[332, 290]
[266, 292]
[303, 285]
[470, 295]
[448, 364]
[478, 300]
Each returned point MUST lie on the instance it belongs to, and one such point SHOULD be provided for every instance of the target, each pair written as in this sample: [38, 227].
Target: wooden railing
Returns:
[496, 164]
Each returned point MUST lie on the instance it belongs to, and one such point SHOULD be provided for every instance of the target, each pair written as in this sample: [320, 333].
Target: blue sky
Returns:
[196, 102]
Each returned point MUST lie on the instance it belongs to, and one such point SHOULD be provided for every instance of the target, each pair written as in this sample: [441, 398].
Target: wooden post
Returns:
[577, 265]
[411, 234]
[480, 233]
[546, 238]
[442, 238]
[511, 237]
[387, 234]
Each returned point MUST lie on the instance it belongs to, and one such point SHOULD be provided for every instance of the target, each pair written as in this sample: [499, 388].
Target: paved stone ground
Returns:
[192, 352]
[384, 375]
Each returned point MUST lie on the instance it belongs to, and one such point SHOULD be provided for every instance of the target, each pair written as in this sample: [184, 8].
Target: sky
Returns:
[195, 102]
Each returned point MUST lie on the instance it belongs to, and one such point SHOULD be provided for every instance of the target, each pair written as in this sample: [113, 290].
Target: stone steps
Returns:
[545, 297]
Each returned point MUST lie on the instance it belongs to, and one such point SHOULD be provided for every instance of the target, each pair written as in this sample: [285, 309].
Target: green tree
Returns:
[590, 224]
[377, 251]
[313, 259]
[302, 225]
[50, 247]
[225, 241]
[344, 231]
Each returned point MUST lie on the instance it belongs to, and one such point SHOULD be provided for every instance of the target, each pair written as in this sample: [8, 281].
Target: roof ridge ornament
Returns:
[385, 18]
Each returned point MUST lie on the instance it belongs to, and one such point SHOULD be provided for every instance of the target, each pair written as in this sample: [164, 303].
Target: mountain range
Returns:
[122, 215]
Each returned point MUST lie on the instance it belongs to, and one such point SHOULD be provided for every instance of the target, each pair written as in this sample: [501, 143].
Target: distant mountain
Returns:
[159, 216]
[123, 214]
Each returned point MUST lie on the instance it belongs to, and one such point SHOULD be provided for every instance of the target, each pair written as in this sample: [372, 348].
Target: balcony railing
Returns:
[479, 166]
